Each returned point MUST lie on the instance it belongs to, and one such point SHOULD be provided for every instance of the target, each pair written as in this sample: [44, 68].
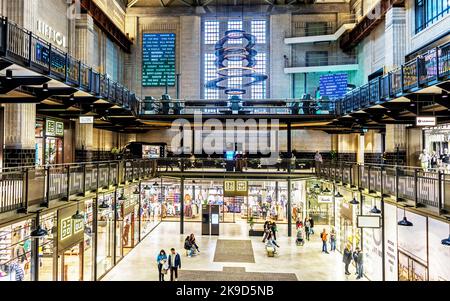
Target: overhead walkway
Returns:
[323, 37]
[37, 72]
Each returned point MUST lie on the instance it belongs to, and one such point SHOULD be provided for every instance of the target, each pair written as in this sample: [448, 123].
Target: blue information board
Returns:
[158, 59]
[334, 85]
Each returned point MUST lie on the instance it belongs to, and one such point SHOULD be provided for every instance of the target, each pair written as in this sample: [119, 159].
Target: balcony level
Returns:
[323, 63]
[420, 87]
[317, 34]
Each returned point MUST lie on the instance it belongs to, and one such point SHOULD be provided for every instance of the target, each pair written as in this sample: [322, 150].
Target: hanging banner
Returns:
[70, 231]
[234, 188]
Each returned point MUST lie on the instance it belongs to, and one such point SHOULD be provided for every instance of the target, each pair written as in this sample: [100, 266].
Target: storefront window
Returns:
[151, 206]
[88, 241]
[47, 247]
[15, 252]
[105, 233]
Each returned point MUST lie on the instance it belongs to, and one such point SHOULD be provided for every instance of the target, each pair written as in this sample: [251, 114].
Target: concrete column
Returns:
[84, 135]
[395, 37]
[20, 119]
[280, 83]
[361, 148]
[190, 59]
[85, 47]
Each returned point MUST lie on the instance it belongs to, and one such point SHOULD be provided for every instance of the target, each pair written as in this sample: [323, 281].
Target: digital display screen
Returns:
[158, 59]
[334, 86]
[151, 152]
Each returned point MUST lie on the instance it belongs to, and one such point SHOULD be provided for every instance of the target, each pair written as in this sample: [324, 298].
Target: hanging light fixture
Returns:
[326, 191]
[136, 191]
[446, 241]
[103, 205]
[122, 197]
[338, 195]
[354, 201]
[405, 222]
[375, 210]
[78, 215]
[146, 187]
[38, 232]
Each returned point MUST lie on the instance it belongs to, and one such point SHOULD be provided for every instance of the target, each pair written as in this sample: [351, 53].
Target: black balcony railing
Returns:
[242, 107]
[27, 186]
[24, 48]
[423, 188]
[425, 70]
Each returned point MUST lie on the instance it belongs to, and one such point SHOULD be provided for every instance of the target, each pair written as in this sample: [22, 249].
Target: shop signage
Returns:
[54, 128]
[233, 188]
[325, 199]
[128, 206]
[368, 221]
[70, 231]
[51, 34]
[426, 121]
[86, 119]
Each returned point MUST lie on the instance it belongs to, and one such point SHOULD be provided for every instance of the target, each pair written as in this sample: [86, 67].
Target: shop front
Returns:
[372, 240]
[15, 251]
[346, 211]
[319, 202]
[49, 141]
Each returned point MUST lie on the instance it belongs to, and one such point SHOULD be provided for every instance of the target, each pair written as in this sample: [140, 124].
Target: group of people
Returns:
[172, 262]
[331, 238]
[270, 235]
[304, 229]
[357, 257]
[433, 160]
[191, 246]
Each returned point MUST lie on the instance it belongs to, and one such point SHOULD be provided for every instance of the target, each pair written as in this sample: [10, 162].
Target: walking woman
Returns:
[162, 264]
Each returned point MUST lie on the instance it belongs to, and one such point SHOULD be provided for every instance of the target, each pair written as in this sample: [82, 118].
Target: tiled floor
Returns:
[307, 262]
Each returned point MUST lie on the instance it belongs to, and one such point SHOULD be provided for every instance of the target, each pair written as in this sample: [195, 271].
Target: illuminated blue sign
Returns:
[333, 85]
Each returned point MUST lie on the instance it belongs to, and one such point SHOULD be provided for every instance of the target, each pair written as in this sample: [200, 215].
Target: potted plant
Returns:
[251, 222]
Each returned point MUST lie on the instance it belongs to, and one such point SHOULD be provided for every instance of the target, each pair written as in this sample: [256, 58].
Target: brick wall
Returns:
[18, 157]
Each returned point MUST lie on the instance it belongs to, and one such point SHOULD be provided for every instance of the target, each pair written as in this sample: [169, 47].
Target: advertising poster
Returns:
[390, 230]
[439, 263]
[372, 249]
[413, 240]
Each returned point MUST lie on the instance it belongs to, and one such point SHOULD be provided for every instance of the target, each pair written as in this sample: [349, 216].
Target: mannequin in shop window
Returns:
[126, 232]
[424, 159]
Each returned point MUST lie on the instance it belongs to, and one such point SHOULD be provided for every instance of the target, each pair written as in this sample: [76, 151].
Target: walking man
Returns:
[347, 258]
[324, 237]
[358, 258]
[174, 264]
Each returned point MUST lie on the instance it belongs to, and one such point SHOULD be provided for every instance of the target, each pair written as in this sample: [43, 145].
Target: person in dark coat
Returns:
[174, 264]
[347, 258]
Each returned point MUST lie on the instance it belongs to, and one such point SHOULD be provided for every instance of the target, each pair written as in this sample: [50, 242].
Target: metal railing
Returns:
[329, 60]
[424, 188]
[427, 69]
[309, 29]
[26, 49]
[244, 107]
[26, 186]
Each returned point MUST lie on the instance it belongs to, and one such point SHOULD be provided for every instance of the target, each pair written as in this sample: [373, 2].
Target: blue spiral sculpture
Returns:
[225, 53]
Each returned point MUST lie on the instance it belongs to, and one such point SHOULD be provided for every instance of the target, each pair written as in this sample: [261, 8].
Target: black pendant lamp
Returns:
[38, 232]
[446, 241]
[326, 191]
[405, 222]
[103, 205]
[375, 210]
[122, 197]
[146, 187]
[338, 195]
[77, 215]
[354, 201]
[136, 191]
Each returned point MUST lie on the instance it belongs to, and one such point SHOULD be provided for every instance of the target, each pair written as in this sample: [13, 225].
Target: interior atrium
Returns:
[250, 140]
